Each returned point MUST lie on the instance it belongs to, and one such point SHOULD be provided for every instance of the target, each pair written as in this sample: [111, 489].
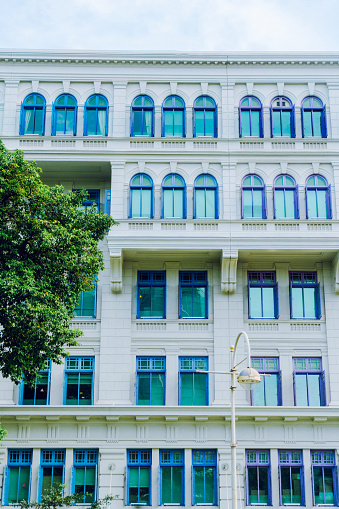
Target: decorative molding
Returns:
[83, 433]
[112, 433]
[35, 86]
[280, 87]
[53, 433]
[66, 85]
[141, 433]
[143, 86]
[249, 86]
[171, 433]
[229, 272]
[200, 433]
[173, 87]
[204, 87]
[116, 260]
[289, 432]
[97, 86]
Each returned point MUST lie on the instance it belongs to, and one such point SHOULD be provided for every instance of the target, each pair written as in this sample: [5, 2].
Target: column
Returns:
[119, 116]
[117, 190]
[227, 120]
[11, 117]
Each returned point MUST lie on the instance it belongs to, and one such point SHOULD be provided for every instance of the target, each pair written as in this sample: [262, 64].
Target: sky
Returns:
[169, 25]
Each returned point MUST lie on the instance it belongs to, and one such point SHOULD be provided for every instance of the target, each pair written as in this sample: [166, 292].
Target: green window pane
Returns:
[41, 390]
[297, 303]
[309, 303]
[69, 128]
[157, 389]
[186, 396]
[200, 210]
[199, 495]
[137, 127]
[257, 203]
[255, 302]
[88, 303]
[178, 195]
[90, 484]
[47, 476]
[199, 123]
[38, 124]
[210, 203]
[146, 203]
[296, 485]
[23, 485]
[247, 203]
[85, 389]
[29, 121]
[186, 302]
[199, 300]
[168, 123]
[289, 204]
[72, 389]
[133, 477]
[307, 119]
[28, 396]
[267, 302]
[258, 394]
[147, 124]
[276, 124]
[286, 123]
[301, 398]
[177, 483]
[178, 123]
[144, 485]
[263, 485]
[145, 301]
[280, 211]
[91, 122]
[144, 389]
[13, 485]
[319, 495]
[209, 485]
[101, 123]
[317, 124]
[245, 123]
[321, 202]
[168, 203]
[314, 390]
[329, 490]
[60, 121]
[209, 123]
[255, 124]
[200, 396]
[312, 211]
[271, 390]
[166, 485]
[136, 202]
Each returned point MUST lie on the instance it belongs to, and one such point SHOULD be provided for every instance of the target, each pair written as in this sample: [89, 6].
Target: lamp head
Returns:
[249, 378]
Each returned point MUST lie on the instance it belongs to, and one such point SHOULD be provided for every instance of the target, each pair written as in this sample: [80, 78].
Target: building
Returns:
[223, 172]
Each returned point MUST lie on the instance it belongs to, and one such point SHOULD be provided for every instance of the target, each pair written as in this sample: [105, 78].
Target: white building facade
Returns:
[222, 171]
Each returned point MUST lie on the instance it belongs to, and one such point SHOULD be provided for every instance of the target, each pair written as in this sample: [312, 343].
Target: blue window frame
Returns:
[313, 118]
[142, 116]
[250, 118]
[85, 474]
[258, 470]
[139, 463]
[87, 304]
[253, 198]
[324, 478]
[17, 476]
[173, 117]
[285, 198]
[205, 197]
[308, 382]
[204, 477]
[141, 196]
[172, 478]
[318, 198]
[304, 295]
[205, 117]
[193, 294]
[268, 391]
[151, 294]
[33, 111]
[193, 386]
[291, 478]
[282, 118]
[39, 393]
[92, 198]
[262, 295]
[151, 380]
[64, 115]
[79, 374]
[173, 197]
[51, 471]
[96, 116]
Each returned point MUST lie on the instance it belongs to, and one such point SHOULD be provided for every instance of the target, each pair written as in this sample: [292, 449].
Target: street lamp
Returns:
[248, 378]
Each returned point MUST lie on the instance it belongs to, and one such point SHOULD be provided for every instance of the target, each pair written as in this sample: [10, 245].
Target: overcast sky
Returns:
[196, 25]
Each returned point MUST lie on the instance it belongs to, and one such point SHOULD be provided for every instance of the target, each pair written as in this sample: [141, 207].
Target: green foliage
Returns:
[56, 498]
[48, 254]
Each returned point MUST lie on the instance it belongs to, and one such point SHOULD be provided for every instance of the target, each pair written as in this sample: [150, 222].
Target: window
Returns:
[151, 294]
[17, 476]
[86, 306]
[139, 462]
[258, 477]
[172, 477]
[52, 470]
[268, 391]
[33, 110]
[79, 373]
[253, 203]
[141, 196]
[318, 198]
[285, 198]
[205, 197]
[308, 382]
[92, 198]
[313, 118]
[291, 478]
[39, 393]
[324, 478]
[193, 296]
[193, 386]
[142, 116]
[173, 197]
[250, 118]
[64, 116]
[173, 117]
[96, 116]
[205, 118]
[85, 474]
[304, 295]
[151, 372]
[204, 468]
[282, 118]
[262, 295]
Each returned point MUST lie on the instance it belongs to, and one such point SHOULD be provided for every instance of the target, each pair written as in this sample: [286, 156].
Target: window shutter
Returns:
[264, 212]
[126, 489]
[312, 478]
[53, 124]
[274, 211]
[43, 119]
[291, 306]
[159, 487]
[106, 126]
[85, 121]
[65, 386]
[296, 203]
[261, 124]
[5, 479]
[96, 480]
[194, 123]
[329, 202]
[293, 122]
[279, 481]
[317, 301]
[152, 121]
[249, 300]
[323, 123]
[302, 485]
[49, 384]
[279, 388]
[216, 122]
[75, 121]
[108, 202]
[335, 484]
[271, 122]
[239, 118]
[193, 485]
[306, 202]
[39, 484]
[276, 301]
[22, 120]
[302, 121]
[132, 121]
[269, 485]
[73, 480]
[322, 389]
[30, 483]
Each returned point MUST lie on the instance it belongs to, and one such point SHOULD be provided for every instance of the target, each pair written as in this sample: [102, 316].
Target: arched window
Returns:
[285, 198]
[173, 117]
[33, 110]
[173, 197]
[205, 120]
[313, 118]
[205, 197]
[141, 196]
[96, 116]
[142, 116]
[253, 198]
[64, 118]
[318, 198]
[250, 118]
[282, 118]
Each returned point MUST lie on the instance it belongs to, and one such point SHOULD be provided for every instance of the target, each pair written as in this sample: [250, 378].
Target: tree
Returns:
[49, 254]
